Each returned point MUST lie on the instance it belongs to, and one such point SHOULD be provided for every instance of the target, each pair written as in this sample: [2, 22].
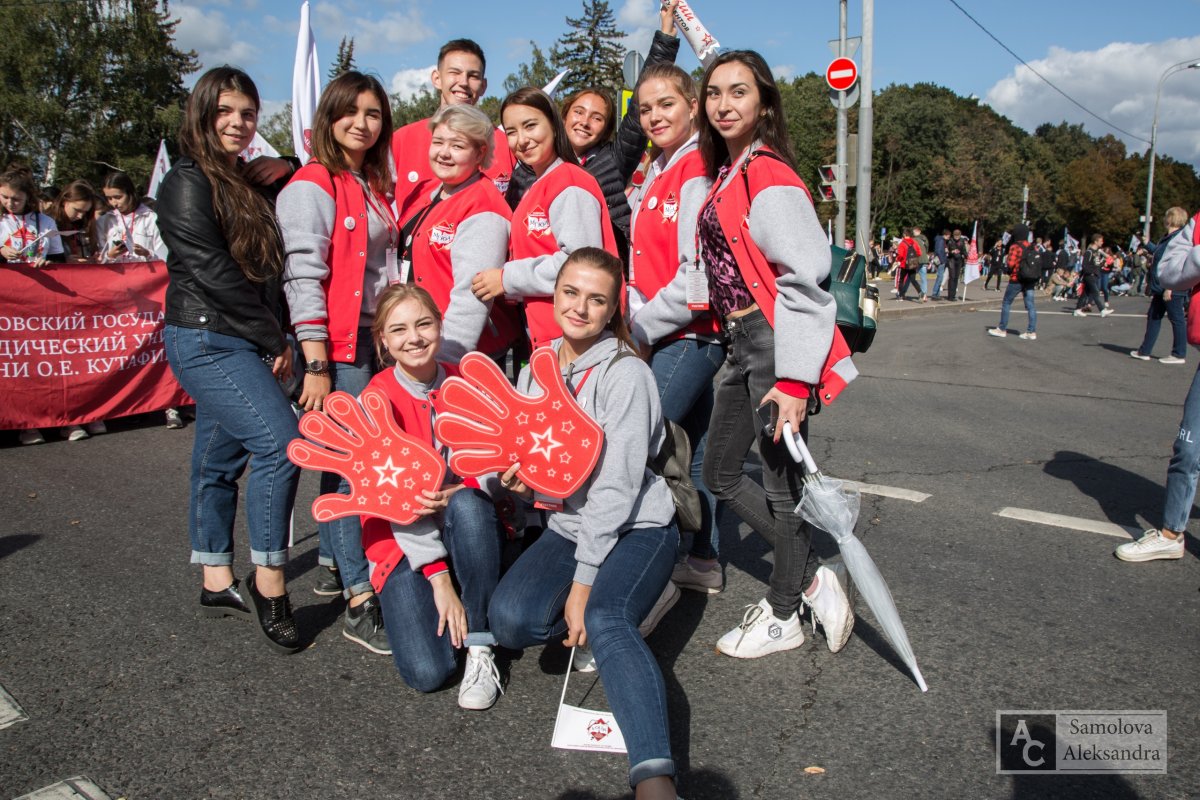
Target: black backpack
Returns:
[1030, 268]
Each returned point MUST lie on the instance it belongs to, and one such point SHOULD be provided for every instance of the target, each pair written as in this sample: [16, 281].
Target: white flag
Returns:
[578, 728]
[703, 43]
[552, 85]
[306, 88]
[1070, 242]
[971, 269]
[1134, 242]
[162, 163]
[258, 147]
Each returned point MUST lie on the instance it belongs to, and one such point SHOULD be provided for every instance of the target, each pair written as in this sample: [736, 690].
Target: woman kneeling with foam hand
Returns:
[607, 553]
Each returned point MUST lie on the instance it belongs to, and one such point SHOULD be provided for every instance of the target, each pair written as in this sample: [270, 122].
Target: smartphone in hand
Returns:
[768, 415]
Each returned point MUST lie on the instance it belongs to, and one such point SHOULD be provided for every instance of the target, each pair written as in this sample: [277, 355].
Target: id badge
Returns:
[405, 269]
[697, 288]
[393, 267]
[545, 503]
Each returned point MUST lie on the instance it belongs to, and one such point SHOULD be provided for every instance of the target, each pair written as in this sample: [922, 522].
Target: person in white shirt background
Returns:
[130, 230]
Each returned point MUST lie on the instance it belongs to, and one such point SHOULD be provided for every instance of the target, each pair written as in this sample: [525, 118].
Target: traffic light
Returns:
[830, 187]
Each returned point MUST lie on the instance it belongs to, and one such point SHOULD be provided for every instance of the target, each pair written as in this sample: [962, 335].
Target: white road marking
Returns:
[891, 491]
[1047, 313]
[1074, 523]
[10, 710]
[77, 788]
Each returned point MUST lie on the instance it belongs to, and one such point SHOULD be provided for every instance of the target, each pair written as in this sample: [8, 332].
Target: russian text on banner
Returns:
[83, 342]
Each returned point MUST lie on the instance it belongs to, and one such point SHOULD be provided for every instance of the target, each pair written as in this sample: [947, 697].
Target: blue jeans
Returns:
[937, 284]
[1173, 310]
[1185, 464]
[684, 370]
[242, 416]
[527, 610]
[769, 508]
[1010, 294]
[342, 538]
[472, 535]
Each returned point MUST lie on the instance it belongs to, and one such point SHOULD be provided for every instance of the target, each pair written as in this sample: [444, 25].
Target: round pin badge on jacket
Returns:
[653, 204]
[349, 223]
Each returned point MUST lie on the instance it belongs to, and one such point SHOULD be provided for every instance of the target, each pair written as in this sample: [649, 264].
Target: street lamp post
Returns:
[1191, 63]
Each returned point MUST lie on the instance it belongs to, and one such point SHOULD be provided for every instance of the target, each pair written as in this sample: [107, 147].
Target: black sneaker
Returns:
[364, 625]
[329, 582]
[274, 617]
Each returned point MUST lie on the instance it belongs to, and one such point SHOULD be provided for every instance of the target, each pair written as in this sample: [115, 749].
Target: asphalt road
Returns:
[101, 645]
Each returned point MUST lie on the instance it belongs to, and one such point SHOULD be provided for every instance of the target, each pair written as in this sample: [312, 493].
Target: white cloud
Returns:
[1117, 82]
[399, 28]
[783, 72]
[408, 83]
[270, 108]
[211, 36]
[639, 20]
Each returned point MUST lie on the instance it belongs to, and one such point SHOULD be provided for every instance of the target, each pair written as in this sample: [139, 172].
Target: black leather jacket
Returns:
[207, 288]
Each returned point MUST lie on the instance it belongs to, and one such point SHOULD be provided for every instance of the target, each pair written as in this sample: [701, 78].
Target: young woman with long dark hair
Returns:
[342, 245]
[226, 345]
[761, 255]
[130, 230]
[73, 214]
[606, 556]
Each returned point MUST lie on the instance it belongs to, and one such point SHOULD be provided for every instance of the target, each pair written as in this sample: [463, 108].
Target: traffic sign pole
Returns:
[839, 66]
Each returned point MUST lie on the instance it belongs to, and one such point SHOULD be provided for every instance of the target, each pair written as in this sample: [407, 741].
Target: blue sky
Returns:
[1107, 54]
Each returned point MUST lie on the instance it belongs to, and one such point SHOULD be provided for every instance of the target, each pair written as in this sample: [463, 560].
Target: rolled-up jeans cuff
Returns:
[326, 561]
[650, 768]
[357, 589]
[480, 639]
[212, 559]
[273, 558]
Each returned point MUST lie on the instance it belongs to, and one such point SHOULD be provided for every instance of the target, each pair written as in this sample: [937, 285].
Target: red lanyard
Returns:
[388, 220]
[582, 381]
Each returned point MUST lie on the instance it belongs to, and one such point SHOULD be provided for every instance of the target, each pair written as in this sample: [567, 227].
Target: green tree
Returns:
[538, 72]
[418, 107]
[90, 86]
[345, 58]
[277, 130]
[591, 50]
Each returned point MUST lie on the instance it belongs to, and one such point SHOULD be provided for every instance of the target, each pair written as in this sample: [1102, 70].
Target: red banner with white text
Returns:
[81, 343]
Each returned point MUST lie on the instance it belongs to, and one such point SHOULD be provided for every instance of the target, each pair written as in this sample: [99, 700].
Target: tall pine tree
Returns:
[537, 72]
[591, 50]
[345, 59]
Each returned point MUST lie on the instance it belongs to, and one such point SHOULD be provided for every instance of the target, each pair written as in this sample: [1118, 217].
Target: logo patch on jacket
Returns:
[441, 235]
[501, 182]
[537, 222]
[670, 207]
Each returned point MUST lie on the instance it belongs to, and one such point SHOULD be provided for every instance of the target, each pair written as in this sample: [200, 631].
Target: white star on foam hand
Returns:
[543, 443]
[541, 417]
[387, 441]
[522, 418]
[568, 427]
[556, 405]
[388, 473]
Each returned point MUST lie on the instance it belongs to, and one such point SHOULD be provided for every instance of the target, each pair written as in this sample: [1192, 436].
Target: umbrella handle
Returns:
[798, 449]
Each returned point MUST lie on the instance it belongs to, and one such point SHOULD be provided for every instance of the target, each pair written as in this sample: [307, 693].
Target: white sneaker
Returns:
[174, 420]
[1078, 313]
[1153, 545]
[830, 607]
[1138, 355]
[998, 332]
[762, 633]
[96, 428]
[584, 660]
[710, 581]
[74, 433]
[1172, 360]
[1030, 335]
[668, 598]
[1107, 310]
[481, 680]
[32, 436]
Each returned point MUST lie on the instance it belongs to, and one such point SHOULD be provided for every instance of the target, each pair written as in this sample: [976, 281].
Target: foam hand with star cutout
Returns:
[490, 426]
[360, 440]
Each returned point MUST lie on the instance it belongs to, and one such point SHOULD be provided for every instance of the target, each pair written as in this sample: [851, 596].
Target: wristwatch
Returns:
[316, 367]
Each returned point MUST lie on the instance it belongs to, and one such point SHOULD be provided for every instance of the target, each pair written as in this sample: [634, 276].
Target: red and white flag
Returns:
[972, 271]
[162, 163]
[258, 147]
[306, 87]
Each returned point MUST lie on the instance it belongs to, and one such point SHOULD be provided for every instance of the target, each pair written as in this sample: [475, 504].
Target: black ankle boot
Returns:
[274, 617]
[226, 602]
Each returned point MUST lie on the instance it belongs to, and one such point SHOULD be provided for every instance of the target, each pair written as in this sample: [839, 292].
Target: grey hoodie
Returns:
[621, 494]
[1179, 267]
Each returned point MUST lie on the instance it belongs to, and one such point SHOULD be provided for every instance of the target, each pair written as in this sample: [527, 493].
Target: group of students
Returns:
[77, 225]
[396, 253]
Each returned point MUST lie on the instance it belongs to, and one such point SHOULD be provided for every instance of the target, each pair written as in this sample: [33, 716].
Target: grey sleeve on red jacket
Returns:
[1179, 267]
[784, 225]
[421, 541]
[306, 217]
[575, 222]
[667, 311]
[481, 243]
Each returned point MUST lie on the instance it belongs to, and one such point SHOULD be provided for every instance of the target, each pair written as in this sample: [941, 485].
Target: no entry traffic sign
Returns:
[841, 74]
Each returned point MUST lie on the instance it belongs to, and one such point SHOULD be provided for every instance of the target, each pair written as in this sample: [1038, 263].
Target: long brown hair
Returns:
[340, 99]
[771, 128]
[76, 191]
[608, 263]
[20, 179]
[540, 101]
[610, 113]
[245, 216]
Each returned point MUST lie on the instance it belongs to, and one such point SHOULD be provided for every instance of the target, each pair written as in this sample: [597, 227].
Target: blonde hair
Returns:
[470, 122]
[1175, 217]
[388, 300]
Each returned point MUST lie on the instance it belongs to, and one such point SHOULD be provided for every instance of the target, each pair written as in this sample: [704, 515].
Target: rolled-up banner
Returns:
[703, 43]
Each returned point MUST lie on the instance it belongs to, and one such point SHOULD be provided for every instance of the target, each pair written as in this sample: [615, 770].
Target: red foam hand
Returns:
[360, 440]
[490, 426]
